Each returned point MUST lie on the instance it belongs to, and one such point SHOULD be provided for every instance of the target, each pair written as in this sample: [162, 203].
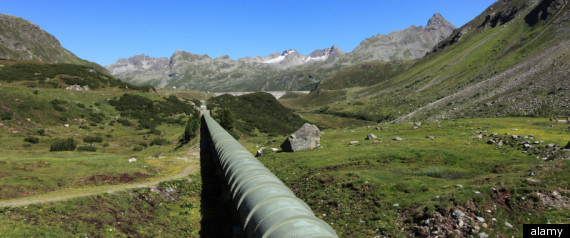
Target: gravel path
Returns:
[74, 193]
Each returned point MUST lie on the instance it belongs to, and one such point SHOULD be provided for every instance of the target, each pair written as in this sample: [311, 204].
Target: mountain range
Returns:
[288, 70]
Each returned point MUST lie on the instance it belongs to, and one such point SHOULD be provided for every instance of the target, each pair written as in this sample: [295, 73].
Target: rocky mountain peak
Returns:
[437, 20]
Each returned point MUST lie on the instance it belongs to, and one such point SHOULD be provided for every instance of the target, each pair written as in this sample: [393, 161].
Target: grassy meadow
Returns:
[393, 188]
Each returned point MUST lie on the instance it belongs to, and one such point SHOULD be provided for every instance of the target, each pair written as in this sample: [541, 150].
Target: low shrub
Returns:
[159, 141]
[93, 139]
[138, 148]
[124, 122]
[6, 116]
[87, 148]
[32, 139]
[63, 144]
[41, 132]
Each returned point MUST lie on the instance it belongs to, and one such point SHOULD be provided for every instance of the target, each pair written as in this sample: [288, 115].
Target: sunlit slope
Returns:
[509, 61]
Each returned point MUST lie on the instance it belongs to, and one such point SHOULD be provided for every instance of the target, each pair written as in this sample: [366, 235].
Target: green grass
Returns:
[136, 213]
[31, 169]
[356, 187]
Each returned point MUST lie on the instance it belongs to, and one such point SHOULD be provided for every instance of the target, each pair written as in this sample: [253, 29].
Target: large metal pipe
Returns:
[266, 207]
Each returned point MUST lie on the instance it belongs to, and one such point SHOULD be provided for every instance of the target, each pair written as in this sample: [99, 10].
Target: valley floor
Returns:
[443, 177]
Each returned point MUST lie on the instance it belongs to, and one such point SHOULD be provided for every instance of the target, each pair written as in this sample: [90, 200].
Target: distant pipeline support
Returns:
[265, 206]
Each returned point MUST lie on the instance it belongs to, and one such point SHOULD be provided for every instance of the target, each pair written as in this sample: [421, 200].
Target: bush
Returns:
[124, 122]
[32, 139]
[155, 131]
[93, 139]
[25, 145]
[63, 144]
[41, 132]
[159, 141]
[138, 148]
[106, 144]
[85, 127]
[6, 116]
[143, 144]
[87, 148]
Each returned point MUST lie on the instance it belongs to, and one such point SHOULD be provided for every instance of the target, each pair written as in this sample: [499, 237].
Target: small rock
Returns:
[430, 137]
[479, 136]
[397, 138]
[460, 224]
[396, 205]
[352, 142]
[371, 137]
[457, 213]
[65, 125]
[418, 124]
[507, 224]
[494, 134]
[500, 143]
[483, 235]
[532, 181]
[132, 160]
[260, 152]
[493, 219]
[476, 192]
[484, 225]
[459, 185]
[514, 136]
[488, 211]
[514, 129]
[480, 219]
[536, 142]
[551, 145]
[527, 146]
[490, 142]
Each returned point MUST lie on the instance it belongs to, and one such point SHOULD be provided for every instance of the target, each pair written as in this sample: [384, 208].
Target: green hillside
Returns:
[23, 40]
[36, 74]
[258, 112]
[509, 61]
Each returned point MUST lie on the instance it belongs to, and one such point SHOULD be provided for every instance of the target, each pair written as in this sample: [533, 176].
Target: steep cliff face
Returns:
[23, 40]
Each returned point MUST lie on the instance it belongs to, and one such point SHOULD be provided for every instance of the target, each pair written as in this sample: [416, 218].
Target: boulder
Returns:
[306, 138]
[371, 136]
[353, 142]
[397, 138]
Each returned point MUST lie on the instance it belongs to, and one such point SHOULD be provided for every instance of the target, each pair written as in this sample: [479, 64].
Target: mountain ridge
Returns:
[288, 70]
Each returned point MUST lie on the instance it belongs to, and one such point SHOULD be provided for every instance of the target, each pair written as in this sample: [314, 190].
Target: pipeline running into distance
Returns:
[266, 207]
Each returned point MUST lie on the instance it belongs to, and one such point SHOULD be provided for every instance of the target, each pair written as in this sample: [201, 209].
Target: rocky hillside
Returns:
[23, 40]
[411, 43]
[511, 60]
[288, 70]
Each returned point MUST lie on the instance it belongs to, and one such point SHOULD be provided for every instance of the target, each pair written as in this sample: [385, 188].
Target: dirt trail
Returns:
[79, 192]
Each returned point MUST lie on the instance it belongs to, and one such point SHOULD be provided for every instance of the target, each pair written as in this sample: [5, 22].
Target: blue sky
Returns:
[104, 31]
